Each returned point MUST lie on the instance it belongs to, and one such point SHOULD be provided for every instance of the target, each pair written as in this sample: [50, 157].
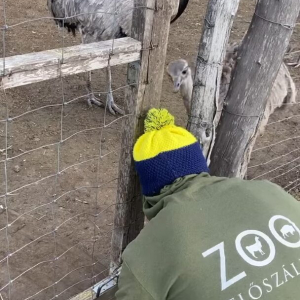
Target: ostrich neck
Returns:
[186, 90]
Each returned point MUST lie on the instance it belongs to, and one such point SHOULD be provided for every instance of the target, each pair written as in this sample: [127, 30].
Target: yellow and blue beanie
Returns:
[165, 152]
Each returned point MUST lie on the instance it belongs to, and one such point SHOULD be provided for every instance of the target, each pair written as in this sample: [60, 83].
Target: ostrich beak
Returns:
[177, 84]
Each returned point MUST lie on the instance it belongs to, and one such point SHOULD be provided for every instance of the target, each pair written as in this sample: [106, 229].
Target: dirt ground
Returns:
[60, 226]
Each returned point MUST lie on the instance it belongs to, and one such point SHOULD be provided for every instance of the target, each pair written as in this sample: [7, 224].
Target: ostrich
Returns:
[99, 20]
[283, 91]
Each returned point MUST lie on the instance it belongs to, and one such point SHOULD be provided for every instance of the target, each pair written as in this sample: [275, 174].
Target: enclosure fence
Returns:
[60, 162]
[276, 157]
[69, 198]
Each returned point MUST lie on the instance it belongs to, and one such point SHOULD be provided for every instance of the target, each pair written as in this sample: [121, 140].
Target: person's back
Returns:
[215, 238]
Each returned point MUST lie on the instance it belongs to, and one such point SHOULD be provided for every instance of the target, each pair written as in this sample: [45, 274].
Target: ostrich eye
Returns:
[184, 72]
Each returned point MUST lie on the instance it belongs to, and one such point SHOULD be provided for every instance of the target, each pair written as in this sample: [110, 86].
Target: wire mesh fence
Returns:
[59, 162]
[276, 155]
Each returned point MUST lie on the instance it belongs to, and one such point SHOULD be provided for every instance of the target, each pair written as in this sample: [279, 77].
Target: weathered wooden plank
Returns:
[106, 288]
[151, 26]
[90, 295]
[218, 22]
[86, 295]
[39, 66]
[259, 60]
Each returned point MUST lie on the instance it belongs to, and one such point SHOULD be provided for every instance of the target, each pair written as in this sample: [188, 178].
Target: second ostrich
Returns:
[283, 91]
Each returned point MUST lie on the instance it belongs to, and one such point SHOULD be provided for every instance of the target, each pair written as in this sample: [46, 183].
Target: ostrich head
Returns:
[180, 73]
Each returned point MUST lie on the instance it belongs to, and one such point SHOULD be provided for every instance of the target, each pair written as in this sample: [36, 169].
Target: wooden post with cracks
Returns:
[205, 99]
[259, 60]
[150, 26]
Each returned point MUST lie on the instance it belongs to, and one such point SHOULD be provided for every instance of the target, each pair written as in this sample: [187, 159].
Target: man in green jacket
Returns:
[208, 238]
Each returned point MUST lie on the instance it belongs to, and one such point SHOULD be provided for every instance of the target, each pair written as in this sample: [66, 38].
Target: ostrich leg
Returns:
[112, 107]
[110, 103]
[91, 97]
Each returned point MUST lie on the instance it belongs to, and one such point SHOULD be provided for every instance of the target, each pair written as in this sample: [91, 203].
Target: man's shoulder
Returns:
[218, 185]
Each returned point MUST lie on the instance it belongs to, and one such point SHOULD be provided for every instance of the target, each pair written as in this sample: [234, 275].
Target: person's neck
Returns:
[153, 205]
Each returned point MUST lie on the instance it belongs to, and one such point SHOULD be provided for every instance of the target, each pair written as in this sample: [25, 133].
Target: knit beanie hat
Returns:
[165, 152]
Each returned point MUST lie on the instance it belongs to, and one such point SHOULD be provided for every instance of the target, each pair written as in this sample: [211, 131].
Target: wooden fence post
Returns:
[218, 22]
[259, 60]
[151, 27]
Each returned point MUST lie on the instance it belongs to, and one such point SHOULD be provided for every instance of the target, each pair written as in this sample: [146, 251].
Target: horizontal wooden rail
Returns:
[89, 295]
[40, 66]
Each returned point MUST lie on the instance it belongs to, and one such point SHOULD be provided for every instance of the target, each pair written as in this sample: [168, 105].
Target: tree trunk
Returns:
[259, 60]
[218, 22]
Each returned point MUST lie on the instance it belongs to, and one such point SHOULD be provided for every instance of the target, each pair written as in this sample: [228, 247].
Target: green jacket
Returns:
[215, 239]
